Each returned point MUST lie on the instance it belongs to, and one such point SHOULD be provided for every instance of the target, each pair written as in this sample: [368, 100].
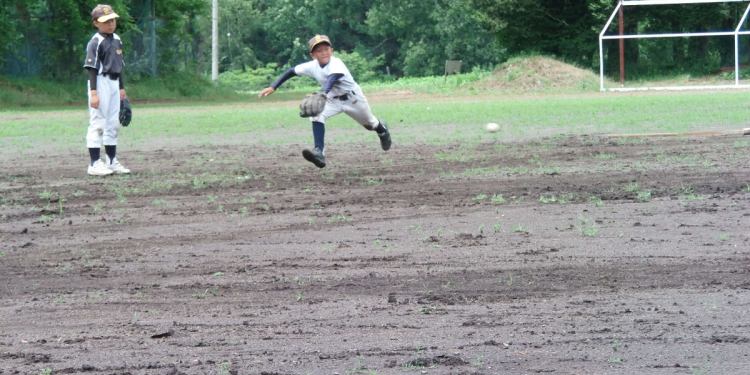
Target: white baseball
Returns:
[492, 127]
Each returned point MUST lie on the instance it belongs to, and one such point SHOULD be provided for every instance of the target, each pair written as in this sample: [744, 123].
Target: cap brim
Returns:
[319, 43]
[107, 17]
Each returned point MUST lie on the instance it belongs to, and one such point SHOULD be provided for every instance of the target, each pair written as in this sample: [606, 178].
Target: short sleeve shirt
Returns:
[313, 69]
[104, 53]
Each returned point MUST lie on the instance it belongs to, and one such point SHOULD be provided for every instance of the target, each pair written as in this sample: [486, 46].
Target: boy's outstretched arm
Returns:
[278, 82]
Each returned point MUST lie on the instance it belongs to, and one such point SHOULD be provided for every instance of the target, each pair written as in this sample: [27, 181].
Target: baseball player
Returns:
[342, 93]
[104, 64]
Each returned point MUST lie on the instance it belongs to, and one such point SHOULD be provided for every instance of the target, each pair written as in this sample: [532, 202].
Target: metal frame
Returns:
[736, 33]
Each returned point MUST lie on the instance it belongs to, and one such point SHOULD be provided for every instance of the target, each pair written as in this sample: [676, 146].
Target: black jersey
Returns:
[104, 53]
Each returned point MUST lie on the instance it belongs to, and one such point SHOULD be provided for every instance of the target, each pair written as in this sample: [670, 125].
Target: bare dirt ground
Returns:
[570, 255]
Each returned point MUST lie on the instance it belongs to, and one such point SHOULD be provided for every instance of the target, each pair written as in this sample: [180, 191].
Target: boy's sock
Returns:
[111, 152]
[381, 128]
[95, 154]
[319, 133]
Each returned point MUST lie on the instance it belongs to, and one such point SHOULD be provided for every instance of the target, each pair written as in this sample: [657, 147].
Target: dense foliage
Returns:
[46, 38]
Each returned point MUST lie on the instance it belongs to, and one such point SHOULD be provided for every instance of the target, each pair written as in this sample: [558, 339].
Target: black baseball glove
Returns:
[126, 113]
[312, 105]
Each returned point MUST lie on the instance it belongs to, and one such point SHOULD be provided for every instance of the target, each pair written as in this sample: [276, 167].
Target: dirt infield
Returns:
[569, 255]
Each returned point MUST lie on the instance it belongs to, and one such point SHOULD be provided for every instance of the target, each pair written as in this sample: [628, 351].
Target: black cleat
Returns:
[315, 156]
[385, 140]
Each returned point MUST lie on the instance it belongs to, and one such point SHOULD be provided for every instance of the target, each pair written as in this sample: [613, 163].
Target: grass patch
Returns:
[418, 119]
[587, 227]
[643, 196]
[45, 93]
[556, 199]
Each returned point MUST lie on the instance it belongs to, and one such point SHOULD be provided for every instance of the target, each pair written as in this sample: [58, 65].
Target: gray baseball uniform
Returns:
[345, 96]
[104, 54]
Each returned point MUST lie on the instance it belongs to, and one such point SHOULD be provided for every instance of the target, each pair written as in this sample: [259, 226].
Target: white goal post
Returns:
[624, 3]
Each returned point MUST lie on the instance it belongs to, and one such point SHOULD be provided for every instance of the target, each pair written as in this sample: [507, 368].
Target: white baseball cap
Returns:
[103, 13]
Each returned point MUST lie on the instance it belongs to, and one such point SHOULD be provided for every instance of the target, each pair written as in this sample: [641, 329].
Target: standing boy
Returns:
[343, 94]
[104, 65]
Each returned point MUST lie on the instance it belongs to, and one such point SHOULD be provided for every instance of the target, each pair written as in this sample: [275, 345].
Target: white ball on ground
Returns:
[492, 127]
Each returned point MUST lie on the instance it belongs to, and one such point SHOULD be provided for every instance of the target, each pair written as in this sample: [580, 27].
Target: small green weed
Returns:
[46, 195]
[158, 202]
[428, 309]
[120, 196]
[480, 197]
[97, 208]
[687, 193]
[520, 229]
[46, 371]
[616, 359]
[554, 199]
[340, 218]
[587, 227]
[632, 187]
[374, 181]
[45, 219]
[497, 199]
[596, 201]
[643, 196]
[224, 368]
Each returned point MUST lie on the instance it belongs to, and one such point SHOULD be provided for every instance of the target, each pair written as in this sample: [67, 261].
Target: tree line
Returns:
[47, 38]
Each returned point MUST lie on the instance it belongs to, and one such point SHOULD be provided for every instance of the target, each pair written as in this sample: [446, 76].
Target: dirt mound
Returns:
[540, 73]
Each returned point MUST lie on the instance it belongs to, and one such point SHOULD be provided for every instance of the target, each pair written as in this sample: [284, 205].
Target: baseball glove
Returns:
[312, 105]
[126, 113]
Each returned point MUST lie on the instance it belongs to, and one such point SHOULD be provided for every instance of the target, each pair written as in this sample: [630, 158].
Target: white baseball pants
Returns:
[104, 122]
[355, 106]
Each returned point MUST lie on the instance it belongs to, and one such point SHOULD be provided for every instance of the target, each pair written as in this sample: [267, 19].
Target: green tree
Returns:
[8, 37]
[417, 37]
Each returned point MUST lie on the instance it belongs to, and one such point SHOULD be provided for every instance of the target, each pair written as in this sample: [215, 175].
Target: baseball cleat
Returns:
[98, 169]
[117, 168]
[315, 156]
[385, 140]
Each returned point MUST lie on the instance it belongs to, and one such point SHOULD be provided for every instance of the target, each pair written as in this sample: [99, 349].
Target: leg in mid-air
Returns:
[317, 154]
[357, 107]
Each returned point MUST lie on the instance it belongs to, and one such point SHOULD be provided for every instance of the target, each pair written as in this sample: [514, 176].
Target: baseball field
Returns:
[555, 245]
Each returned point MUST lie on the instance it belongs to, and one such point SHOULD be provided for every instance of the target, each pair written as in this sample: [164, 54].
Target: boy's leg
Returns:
[358, 109]
[317, 154]
[94, 135]
[112, 128]
[111, 110]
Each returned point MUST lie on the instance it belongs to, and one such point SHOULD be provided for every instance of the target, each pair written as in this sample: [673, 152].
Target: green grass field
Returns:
[415, 118]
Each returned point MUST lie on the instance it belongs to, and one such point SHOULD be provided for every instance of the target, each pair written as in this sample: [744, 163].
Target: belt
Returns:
[112, 76]
[344, 97]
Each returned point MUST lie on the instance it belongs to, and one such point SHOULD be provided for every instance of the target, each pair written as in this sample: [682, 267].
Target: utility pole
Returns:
[152, 37]
[621, 28]
[215, 40]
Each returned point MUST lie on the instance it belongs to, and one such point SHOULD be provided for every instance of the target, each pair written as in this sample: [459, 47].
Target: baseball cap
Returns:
[103, 13]
[317, 39]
